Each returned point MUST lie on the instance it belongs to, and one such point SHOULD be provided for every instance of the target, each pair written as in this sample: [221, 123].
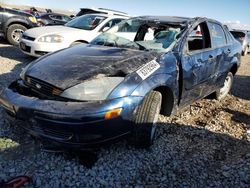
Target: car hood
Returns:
[72, 66]
[48, 30]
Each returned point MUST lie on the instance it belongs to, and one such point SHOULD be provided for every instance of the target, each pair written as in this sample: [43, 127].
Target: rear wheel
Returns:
[222, 93]
[145, 120]
[14, 33]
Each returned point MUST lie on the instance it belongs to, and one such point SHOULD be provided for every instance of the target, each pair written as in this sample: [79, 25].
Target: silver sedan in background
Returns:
[42, 40]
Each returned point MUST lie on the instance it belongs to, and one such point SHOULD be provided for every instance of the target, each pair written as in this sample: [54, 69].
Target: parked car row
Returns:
[116, 85]
[14, 22]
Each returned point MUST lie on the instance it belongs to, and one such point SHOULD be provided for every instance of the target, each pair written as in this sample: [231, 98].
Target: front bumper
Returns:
[70, 124]
[37, 49]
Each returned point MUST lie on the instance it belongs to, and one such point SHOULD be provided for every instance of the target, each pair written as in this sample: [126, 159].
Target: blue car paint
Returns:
[188, 77]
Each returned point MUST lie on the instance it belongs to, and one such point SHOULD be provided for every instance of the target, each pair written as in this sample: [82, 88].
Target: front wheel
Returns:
[222, 93]
[14, 33]
[145, 120]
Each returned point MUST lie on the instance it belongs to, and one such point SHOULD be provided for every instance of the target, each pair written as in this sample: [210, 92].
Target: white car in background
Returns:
[42, 40]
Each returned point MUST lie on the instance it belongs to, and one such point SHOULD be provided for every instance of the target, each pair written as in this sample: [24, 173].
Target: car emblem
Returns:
[38, 86]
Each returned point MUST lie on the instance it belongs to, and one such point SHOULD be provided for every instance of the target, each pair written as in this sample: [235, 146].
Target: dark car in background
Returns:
[113, 87]
[13, 23]
[243, 37]
[46, 19]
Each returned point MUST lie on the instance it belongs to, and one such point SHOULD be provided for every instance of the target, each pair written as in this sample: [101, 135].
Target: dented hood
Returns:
[72, 66]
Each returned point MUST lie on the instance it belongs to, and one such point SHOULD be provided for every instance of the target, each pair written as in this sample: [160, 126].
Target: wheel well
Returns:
[20, 23]
[234, 69]
[167, 100]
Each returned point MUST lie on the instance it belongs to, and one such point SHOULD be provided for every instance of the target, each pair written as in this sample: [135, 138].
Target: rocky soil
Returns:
[207, 145]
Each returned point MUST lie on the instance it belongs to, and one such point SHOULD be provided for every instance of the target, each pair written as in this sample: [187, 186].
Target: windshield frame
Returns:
[139, 40]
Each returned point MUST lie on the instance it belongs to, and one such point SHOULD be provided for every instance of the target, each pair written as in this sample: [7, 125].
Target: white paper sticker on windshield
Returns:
[148, 69]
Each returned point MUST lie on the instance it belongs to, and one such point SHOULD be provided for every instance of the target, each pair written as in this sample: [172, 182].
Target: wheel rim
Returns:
[16, 34]
[227, 85]
[153, 128]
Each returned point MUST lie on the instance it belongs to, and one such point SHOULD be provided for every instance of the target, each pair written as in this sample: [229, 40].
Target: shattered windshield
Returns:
[140, 34]
[87, 22]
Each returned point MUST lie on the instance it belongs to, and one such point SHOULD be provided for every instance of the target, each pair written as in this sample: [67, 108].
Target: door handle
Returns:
[210, 58]
[228, 51]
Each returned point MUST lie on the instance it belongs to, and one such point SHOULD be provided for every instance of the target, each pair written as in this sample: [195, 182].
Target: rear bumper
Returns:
[70, 124]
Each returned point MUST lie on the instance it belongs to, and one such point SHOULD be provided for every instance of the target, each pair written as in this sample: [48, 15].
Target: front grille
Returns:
[40, 127]
[42, 87]
[28, 38]
[24, 47]
[27, 49]
[59, 134]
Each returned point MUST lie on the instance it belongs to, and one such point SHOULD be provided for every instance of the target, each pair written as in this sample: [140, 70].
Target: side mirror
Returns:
[105, 29]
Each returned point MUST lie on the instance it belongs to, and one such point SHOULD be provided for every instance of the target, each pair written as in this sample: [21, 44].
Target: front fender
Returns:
[166, 76]
[15, 20]
[156, 81]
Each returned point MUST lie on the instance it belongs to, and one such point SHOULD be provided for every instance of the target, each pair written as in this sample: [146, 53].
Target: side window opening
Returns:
[111, 23]
[130, 26]
[199, 38]
[230, 38]
[217, 35]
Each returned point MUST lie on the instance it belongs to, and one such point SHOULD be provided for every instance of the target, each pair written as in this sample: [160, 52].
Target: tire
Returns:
[14, 33]
[222, 93]
[145, 120]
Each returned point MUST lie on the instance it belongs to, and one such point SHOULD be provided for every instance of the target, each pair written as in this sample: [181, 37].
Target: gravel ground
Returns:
[207, 145]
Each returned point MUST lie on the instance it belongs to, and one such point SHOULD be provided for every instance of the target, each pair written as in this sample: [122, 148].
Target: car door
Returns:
[198, 60]
[222, 52]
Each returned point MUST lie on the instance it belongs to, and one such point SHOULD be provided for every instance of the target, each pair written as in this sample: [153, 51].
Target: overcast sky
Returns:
[222, 10]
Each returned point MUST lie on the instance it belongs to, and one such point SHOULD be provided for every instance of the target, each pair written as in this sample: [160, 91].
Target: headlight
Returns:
[96, 89]
[22, 74]
[32, 19]
[51, 39]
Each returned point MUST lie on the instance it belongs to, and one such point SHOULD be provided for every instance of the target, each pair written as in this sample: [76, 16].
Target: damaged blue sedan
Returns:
[117, 85]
